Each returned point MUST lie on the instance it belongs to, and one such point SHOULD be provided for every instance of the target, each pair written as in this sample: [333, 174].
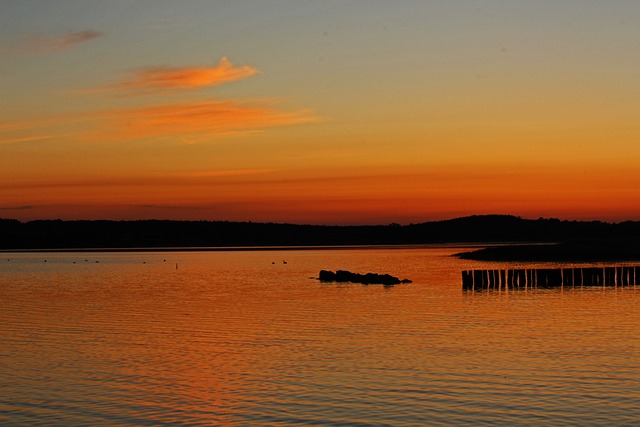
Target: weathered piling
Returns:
[467, 279]
[613, 276]
[577, 277]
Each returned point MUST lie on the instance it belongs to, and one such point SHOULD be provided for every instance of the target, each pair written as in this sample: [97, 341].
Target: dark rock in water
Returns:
[327, 276]
[365, 279]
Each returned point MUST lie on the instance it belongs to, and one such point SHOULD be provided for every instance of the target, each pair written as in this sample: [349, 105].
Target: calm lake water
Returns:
[242, 339]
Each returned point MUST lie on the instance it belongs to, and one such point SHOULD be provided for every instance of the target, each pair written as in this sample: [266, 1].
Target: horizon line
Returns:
[390, 224]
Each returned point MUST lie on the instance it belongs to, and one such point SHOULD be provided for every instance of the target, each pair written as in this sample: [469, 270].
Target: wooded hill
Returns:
[58, 234]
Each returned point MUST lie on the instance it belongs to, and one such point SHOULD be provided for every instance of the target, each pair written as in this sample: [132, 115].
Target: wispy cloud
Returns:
[15, 208]
[39, 129]
[151, 180]
[170, 78]
[186, 122]
[199, 119]
[31, 138]
[194, 121]
[36, 43]
[226, 173]
[189, 122]
[173, 207]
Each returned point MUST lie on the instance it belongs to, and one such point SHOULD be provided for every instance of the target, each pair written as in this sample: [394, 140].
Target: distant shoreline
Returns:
[565, 252]
[496, 237]
[249, 248]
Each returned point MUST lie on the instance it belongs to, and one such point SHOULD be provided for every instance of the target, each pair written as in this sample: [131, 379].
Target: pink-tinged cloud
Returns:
[196, 121]
[38, 43]
[166, 78]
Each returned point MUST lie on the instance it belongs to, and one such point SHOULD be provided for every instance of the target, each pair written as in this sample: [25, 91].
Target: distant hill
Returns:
[58, 234]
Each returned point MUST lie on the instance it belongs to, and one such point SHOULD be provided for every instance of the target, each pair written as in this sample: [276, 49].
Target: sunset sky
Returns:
[320, 111]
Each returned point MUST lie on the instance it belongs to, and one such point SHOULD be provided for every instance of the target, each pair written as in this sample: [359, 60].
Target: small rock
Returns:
[342, 276]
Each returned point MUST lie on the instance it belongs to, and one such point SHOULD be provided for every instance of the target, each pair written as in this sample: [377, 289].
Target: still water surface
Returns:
[242, 339]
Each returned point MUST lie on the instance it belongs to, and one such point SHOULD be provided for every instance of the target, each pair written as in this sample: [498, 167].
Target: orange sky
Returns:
[322, 112]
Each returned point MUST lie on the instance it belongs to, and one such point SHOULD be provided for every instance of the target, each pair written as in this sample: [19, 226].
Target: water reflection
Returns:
[235, 339]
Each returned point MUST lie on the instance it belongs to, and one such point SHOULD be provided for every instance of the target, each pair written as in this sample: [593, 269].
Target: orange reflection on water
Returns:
[240, 338]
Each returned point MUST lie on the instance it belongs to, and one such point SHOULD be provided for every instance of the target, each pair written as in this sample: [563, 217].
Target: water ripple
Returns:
[231, 339]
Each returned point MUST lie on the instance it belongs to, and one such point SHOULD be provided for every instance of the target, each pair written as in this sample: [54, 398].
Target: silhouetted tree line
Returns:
[49, 234]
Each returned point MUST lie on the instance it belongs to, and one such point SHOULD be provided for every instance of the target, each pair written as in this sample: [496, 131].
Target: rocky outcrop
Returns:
[365, 279]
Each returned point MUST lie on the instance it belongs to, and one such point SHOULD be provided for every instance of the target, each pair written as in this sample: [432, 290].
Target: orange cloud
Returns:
[189, 122]
[32, 130]
[195, 120]
[166, 78]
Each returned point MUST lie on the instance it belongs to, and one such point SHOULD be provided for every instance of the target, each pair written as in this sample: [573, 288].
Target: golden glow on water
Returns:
[240, 338]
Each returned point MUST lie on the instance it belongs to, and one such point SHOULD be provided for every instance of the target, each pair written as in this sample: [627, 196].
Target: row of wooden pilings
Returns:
[550, 277]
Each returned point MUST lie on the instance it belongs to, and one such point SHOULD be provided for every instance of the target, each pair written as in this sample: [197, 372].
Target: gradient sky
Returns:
[320, 111]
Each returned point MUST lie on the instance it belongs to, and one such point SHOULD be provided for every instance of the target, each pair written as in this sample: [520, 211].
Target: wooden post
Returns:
[600, 276]
[556, 277]
[625, 276]
[467, 280]
[534, 278]
[609, 276]
[551, 277]
[477, 280]
[577, 277]
[544, 278]
[567, 276]
[588, 276]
